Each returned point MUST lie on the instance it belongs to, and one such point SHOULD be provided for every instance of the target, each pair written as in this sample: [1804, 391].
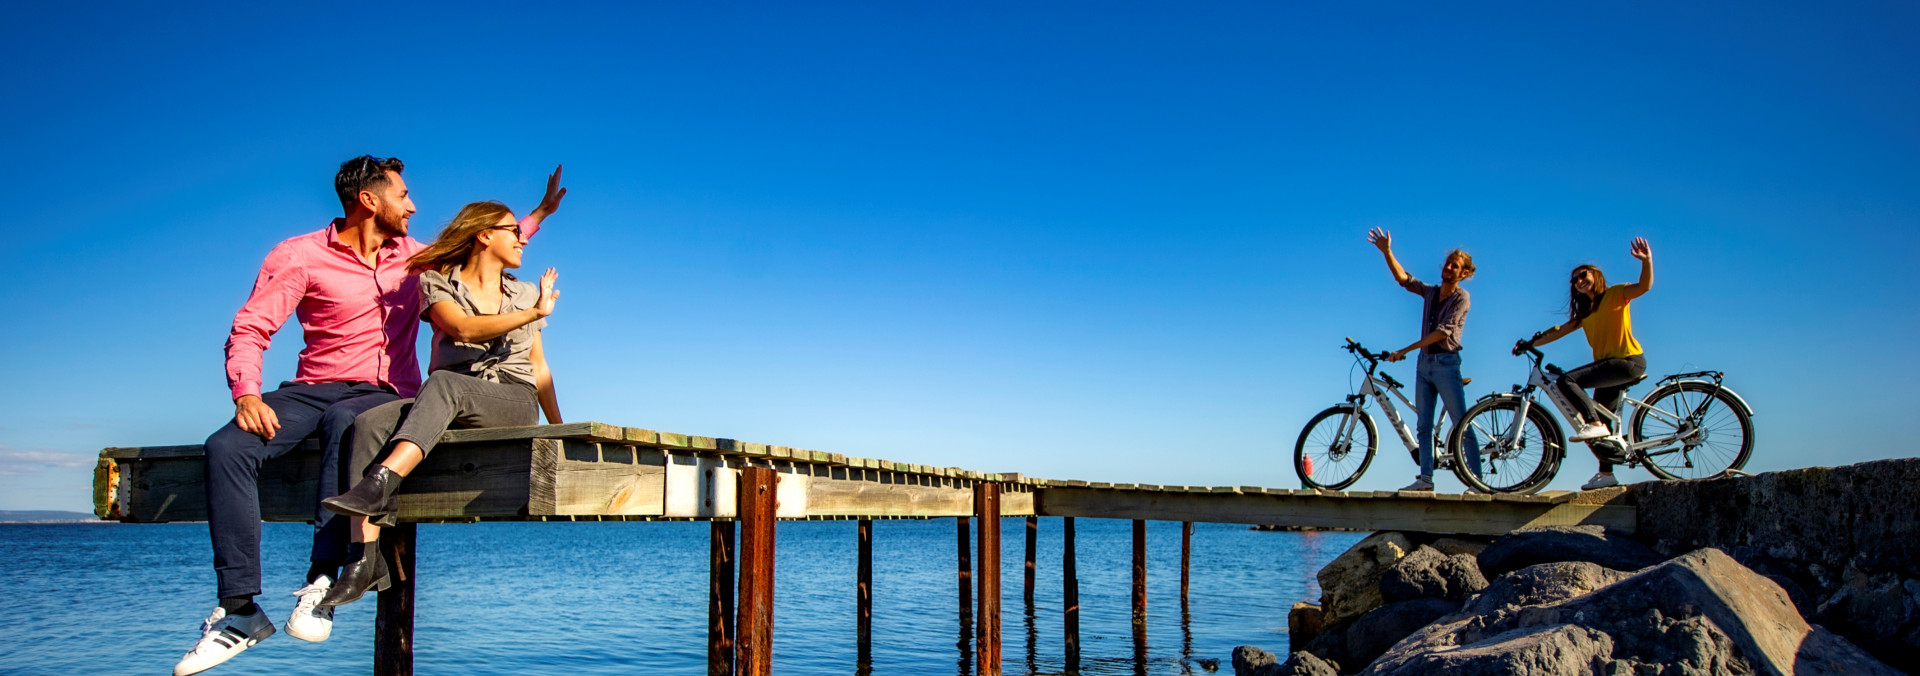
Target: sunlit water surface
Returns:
[621, 598]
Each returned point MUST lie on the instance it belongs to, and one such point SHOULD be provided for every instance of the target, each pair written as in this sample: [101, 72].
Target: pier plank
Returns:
[1376, 513]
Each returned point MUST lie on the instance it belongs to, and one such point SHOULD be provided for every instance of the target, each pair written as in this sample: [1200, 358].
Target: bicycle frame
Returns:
[1376, 387]
[1687, 431]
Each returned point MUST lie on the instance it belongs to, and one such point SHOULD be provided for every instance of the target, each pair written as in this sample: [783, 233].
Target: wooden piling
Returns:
[754, 649]
[863, 619]
[1069, 597]
[720, 598]
[986, 508]
[393, 616]
[1139, 571]
[965, 561]
[1033, 533]
[1186, 559]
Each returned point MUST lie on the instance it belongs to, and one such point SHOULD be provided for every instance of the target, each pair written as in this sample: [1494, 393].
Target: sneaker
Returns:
[1601, 480]
[222, 637]
[1590, 432]
[1420, 484]
[311, 621]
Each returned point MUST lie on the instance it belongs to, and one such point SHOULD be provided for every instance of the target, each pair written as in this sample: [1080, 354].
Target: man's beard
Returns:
[392, 224]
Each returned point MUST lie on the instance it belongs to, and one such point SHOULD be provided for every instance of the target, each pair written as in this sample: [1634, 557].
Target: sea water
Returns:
[631, 597]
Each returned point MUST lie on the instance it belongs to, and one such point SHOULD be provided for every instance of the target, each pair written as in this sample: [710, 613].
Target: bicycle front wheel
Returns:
[1324, 457]
[1709, 429]
[1517, 455]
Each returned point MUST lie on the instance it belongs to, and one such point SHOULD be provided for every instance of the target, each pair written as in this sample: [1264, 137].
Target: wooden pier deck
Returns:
[594, 471]
[597, 472]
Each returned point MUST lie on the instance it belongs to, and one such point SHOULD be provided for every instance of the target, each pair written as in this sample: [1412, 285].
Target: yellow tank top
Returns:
[1610, 328]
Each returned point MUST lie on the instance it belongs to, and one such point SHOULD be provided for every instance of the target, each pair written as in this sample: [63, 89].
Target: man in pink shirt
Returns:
[359, 310]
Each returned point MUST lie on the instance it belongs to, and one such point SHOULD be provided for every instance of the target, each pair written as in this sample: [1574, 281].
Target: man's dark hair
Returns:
[363, 173]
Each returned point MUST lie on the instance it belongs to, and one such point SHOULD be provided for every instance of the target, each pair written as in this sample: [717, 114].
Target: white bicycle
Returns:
[1690, 427]
[1338, 443]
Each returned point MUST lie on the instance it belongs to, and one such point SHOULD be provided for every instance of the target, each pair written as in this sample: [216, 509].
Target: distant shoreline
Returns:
[48, 517]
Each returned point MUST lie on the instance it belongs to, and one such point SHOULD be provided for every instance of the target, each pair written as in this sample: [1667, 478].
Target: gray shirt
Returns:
[504, 359]
[1446, 315]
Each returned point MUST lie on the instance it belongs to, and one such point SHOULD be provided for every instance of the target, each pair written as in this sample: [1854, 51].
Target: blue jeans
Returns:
[233, 472]
[1439, 373]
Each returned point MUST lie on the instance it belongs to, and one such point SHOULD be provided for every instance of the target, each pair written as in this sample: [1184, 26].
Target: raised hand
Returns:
[1380, 239]
[551, 202]
[1641, 249]
[548, 294]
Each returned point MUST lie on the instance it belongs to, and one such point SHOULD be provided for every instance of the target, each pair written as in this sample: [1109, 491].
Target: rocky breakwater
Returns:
[1844, 542]
[1556, 600]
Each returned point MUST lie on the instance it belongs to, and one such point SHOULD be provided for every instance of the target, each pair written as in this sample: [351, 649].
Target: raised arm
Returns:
[548, 204]
[1643, 251]
[1383, 241]
[1548, 335]
[448, 318]
[543, 383]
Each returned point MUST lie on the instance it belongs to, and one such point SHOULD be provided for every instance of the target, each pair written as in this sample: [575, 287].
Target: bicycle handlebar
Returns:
[1356, 348]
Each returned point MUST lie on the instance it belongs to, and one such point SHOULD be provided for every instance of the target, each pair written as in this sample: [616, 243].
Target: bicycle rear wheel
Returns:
[1325, 458]
[1711, 429]
[1516, 455]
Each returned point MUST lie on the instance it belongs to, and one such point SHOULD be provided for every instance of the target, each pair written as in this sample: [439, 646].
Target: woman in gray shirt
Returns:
[487, 370]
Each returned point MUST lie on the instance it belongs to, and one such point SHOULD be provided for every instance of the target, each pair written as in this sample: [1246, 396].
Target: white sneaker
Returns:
[222, 637]
[1601, 480]
[311, 621]
[1420, 484]
[1590, 432]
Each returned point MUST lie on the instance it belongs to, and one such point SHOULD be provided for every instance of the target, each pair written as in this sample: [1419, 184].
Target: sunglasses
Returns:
[515, 228]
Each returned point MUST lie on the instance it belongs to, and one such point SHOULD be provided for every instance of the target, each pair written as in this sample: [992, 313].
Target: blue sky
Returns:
[1103, 241]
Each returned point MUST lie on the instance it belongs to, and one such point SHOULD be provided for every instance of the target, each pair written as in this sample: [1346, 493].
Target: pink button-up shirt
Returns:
[360, 320]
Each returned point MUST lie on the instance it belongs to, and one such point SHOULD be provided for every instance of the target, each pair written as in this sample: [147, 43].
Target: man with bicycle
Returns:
[1442, 319]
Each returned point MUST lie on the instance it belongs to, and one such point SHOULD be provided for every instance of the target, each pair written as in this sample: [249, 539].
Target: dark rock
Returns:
[1331, 644]
[1208, 664]
[1699, 613]
[1542, 584]
[1427, 573]
[1350, 583]
[1556, 650]
[1453, 546]
[1250, 661]
[1305, 664]
[1373, 633]
[1550, 544]
[1304, 623]
[1883, 610]
[1814, 525]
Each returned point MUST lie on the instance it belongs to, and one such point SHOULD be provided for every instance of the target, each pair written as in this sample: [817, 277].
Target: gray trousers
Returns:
[447, 400]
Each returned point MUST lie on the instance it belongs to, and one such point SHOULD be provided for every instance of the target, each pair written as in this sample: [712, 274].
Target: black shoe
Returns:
[371, 497]
[367, 572]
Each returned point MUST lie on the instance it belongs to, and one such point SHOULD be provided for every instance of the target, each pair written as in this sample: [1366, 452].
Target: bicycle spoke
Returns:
[1717, 435]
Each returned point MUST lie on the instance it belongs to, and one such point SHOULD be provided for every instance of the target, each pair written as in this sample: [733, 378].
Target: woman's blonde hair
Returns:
[456, 241]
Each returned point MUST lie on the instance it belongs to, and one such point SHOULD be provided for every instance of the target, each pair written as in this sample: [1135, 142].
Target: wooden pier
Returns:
[597, 472]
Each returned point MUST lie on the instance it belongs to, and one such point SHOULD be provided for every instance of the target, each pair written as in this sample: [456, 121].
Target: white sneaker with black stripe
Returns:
[311, 621]
[222, 637]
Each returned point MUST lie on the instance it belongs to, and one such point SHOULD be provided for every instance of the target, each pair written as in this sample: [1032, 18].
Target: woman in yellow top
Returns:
[1618, 360]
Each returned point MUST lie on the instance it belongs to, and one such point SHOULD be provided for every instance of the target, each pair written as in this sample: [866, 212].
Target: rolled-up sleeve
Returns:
[434, 287]
[276, 293]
